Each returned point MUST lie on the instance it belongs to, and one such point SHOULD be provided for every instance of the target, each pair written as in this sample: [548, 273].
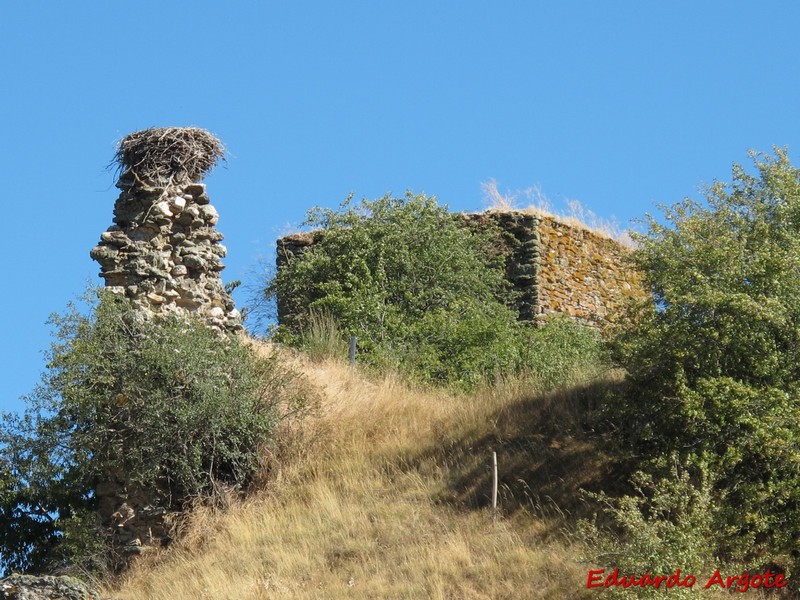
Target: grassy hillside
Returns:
[385, 493]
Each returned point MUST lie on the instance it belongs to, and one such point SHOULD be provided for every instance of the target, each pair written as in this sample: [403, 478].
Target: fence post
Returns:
[494, 487]
[352, 354]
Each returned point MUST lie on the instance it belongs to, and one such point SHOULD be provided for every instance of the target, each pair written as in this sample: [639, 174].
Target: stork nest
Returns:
[165, 155]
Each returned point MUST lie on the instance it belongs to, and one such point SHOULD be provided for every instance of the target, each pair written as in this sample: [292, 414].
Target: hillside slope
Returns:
[384, 492]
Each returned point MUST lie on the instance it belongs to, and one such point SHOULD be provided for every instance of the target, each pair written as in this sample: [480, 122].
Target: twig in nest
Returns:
[165, 155]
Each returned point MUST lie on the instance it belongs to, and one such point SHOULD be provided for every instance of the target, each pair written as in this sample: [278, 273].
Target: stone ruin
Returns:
[555, 268]
[45, 587]
[163, 251]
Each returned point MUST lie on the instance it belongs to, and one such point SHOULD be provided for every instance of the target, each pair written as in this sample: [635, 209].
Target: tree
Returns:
[714, 376]
[168, 405]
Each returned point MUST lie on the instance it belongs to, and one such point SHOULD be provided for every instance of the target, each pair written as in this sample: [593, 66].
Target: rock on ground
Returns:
[29, 587]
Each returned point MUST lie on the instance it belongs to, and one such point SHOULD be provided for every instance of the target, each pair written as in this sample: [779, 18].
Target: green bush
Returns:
[713, 361]
[561, 352]
[423, 295]
[420, 293]
[168, 405]
[666, 525]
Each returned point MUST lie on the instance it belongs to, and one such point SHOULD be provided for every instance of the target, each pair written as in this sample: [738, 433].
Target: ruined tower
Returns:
[163, 251]
[164, 254]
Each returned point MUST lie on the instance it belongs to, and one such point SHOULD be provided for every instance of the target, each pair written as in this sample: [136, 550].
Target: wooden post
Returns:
[352, 355]
[494, 487]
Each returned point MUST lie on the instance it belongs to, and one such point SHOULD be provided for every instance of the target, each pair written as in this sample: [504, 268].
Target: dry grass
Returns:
[576, 215]
[385, 496]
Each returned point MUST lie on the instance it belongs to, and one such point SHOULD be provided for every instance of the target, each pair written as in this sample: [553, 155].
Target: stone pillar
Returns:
[522, 264]
[163, 251]
[289, 248]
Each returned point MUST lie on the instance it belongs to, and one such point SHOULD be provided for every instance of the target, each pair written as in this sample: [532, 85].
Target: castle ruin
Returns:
[163, 252]
[555, 267]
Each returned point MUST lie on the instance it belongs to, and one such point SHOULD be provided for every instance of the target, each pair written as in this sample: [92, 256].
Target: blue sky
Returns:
[618, 104]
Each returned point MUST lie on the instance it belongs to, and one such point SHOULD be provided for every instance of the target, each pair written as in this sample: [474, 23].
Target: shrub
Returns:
[420, 292]
[713, 361]
[423, 295]
[168, 405]
[562, 352]
[667, 525]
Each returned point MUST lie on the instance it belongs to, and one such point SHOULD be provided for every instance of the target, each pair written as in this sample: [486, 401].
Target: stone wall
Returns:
[45, 587]
[556, 268]
[582, 274]
[164, 253]
[135, 519]
[289, 248]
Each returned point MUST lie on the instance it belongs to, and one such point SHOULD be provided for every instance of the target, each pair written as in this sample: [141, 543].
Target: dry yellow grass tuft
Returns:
[576, 214]
[383, 494]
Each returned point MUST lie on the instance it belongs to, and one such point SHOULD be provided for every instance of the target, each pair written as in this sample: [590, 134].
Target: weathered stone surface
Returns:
[209, 214]
[178, 204]
[586, 274]
[521, 239]
[164, 253]
[29, 587]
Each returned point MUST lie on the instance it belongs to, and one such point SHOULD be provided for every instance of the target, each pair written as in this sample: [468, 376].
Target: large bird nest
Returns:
[165, 155]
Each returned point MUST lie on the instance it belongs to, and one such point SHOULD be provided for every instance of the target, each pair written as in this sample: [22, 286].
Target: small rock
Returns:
[209, 214]
[178, 204]
[195, 189]
[188, 303]
[115, 238]
[185, 219]
[105, 255]
[194, 262]
[208, 233]
[162, 208]
[29, 587]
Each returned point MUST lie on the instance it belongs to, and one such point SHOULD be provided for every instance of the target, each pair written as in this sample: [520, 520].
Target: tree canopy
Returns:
[714, 376]
[168, 405]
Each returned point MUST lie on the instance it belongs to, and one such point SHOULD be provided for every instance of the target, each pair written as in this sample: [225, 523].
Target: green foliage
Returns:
[171, 406]
[420, 293]
[666, 525]
[713, 363]
[561, 352]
